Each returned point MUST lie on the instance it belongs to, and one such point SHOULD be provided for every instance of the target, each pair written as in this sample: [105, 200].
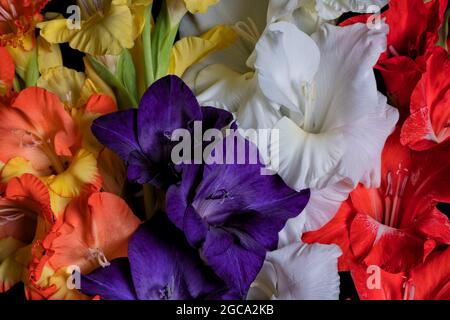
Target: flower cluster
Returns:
[225, 149]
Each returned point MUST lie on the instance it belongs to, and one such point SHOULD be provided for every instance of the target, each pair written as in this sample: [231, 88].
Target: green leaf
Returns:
[125, 99]
[126, 73]
[163, 39]
[32, 72]
[17, 83]
[443, 32]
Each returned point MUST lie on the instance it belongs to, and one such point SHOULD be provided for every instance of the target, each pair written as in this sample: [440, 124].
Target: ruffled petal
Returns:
[299, 272]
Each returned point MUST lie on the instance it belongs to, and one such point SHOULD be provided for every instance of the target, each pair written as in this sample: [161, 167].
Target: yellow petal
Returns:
[200, 6]
[64, 82]
[17, 167]
[138, 8]
[59, 281]
[84, 122]
[11, 269]
[96, 81]
[22, 56]
[82, 171]
[58, 203]
[56, 31]
[191, 50]
[49, 55]
[108, 34]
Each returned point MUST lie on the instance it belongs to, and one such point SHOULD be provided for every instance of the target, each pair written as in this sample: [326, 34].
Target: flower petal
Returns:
[299, 272]
[298, 61]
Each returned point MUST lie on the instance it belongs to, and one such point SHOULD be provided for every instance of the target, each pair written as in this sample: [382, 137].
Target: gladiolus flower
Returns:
[106, 26]
[429, 122]
[18, 19]
[25, 217]
[397, 226]
[93, 230]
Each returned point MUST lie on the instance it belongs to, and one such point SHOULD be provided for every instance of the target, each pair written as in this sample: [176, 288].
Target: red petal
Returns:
[101, 104]
[335, 232]
[391, 249]
[430, 114]
[373, 283]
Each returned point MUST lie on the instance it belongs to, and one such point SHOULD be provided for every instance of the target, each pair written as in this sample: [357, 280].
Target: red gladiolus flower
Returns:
[428, 281]
[429, 122]
[396, 226]
[413, 33]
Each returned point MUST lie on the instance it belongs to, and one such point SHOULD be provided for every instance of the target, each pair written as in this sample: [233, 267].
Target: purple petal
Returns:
[236, 262]
[244, 211]
[215, 118]
[111, 283]
[164, 266]
[116, 131]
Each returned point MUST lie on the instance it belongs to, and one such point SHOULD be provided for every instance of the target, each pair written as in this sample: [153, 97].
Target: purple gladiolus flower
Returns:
[232, 213]
[160, 266]
[142, 137]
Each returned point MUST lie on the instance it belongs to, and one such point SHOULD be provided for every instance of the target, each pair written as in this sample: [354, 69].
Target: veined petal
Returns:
[56, 31]
[37, 128]
[429, 121]
[49, 55]
[92, 231]
[109, 34]
[64, 82]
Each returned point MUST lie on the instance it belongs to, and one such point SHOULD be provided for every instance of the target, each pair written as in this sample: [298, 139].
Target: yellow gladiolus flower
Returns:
[100, 27]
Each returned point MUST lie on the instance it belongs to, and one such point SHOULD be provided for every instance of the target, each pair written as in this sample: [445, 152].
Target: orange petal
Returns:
[6, 71]
[36, 127]
[102, 222]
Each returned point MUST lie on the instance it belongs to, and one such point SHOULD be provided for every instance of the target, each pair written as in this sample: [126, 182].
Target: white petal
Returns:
[321, 208]
[344, 129]
[302, 13]
[299, 272]
[346, 88]
[221, 87]
[306, 159]
[333, 9]
[286, 58]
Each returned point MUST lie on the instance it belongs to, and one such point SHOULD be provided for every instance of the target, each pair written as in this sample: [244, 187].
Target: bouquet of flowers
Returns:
[225, 149]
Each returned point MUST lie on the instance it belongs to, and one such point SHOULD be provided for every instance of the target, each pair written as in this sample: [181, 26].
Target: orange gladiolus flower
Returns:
[25, 217]
[94, 230]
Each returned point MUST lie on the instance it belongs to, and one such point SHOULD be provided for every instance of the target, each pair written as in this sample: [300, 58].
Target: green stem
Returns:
[147, 44]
